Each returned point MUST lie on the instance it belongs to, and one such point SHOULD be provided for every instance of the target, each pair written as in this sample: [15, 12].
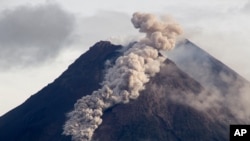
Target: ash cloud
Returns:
[232, 107]
[33, 34]
[126, 78]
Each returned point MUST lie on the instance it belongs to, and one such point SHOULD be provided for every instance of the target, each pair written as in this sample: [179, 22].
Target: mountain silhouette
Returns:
[41, 117]
[154, 116]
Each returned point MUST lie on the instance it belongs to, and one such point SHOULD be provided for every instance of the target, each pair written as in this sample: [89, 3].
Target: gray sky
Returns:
[39, 39]
[33, 34]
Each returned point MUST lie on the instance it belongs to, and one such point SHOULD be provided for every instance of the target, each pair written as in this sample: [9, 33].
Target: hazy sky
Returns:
[39, 39]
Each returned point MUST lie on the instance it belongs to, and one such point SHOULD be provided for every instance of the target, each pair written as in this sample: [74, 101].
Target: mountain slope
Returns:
[206, 69]
[41, 117]
[153, 116]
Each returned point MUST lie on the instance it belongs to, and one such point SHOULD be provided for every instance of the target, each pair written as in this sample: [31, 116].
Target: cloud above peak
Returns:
[32, 34]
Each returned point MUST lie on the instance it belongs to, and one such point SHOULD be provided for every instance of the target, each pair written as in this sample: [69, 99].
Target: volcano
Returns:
[154, 116]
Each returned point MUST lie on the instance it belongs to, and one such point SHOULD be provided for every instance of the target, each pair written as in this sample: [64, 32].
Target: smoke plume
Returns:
[126, 78]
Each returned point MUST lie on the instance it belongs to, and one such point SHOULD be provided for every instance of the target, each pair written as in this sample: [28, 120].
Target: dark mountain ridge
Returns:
[41, 116]
[153, 116]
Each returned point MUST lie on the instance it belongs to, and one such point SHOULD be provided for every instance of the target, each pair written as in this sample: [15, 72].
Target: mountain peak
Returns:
[42, 116]
[204, 68]
[154, 116]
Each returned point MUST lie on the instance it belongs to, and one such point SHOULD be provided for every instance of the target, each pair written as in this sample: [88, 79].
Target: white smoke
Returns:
[124, 80]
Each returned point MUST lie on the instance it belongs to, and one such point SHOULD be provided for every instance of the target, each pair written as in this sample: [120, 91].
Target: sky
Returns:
[39, 39]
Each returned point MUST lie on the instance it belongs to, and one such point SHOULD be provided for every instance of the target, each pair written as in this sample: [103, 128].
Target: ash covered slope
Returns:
[41, 117]
[153, 116]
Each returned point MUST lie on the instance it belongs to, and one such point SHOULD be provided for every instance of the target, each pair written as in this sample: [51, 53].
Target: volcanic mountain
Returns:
[155, 116]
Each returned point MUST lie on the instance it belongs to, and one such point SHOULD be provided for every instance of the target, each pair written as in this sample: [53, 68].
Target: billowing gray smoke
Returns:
[126, 78]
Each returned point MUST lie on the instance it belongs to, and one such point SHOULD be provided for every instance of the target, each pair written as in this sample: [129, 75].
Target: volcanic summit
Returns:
[135, 93]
